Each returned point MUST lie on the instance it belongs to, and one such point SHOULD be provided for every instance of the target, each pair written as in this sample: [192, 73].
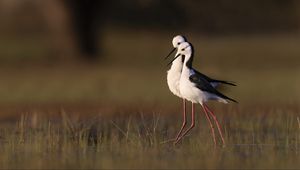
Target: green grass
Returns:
[256, 137]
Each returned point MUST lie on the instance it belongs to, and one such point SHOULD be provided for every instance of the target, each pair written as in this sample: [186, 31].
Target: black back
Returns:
[203, 84]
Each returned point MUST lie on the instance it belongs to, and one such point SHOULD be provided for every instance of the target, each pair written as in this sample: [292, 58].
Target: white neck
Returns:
[177, 63]
[186, 59]
[185, 69]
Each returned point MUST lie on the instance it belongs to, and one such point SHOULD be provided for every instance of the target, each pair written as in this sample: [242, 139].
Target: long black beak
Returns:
[170, 53]
[178, 55]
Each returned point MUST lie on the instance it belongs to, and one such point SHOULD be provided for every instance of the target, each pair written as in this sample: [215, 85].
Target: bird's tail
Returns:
[232, 100]
[226, 82]
[225, 99]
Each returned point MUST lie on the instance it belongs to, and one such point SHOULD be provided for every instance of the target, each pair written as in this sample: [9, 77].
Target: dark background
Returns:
[84, 22]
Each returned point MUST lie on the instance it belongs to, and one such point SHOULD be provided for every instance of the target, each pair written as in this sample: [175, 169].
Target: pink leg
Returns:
[217, 122]
[191, 127]
[184, 120]
[211, 125]
[182, 126]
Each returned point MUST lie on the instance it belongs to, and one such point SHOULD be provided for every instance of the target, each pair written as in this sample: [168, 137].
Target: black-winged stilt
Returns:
[173, 78]
[195, 87]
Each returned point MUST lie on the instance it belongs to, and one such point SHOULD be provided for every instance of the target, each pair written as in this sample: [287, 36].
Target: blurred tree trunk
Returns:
[73, 26]
[84, 15]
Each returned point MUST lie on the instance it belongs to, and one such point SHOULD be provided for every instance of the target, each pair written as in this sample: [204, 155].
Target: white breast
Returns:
[173, 77]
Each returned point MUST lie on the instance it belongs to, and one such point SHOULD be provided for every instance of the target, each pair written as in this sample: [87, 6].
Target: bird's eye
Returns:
[182, 49]
[178, 43]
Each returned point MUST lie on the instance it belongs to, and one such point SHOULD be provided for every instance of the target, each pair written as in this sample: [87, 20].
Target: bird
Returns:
[174, 73]
[196, 88]
[173, 77]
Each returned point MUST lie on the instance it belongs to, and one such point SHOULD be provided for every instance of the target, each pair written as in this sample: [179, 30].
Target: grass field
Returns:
[116, 114]
[256, 137]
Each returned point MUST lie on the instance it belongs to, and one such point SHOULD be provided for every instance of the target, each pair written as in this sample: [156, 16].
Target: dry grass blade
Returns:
[67, 122]
[122, 131]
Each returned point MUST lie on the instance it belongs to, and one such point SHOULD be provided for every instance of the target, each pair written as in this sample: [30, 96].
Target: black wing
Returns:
[204, 85]
[210, 80]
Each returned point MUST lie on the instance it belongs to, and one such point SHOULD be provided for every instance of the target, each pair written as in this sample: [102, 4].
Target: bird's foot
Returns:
[168, 141]
[175, 142]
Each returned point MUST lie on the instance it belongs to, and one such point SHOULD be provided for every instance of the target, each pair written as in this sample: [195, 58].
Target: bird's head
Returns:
[177, 40]
[185, 49]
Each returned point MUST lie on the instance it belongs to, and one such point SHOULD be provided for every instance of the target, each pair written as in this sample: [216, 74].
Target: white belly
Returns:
[190, 92]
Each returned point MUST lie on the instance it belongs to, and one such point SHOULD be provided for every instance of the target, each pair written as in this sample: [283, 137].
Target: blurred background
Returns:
[110, 53]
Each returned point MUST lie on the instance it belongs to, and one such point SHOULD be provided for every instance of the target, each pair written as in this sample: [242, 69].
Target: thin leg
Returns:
[184, 120]
[217, 122]
[182, 126]
[211, 125]
[191, 127]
